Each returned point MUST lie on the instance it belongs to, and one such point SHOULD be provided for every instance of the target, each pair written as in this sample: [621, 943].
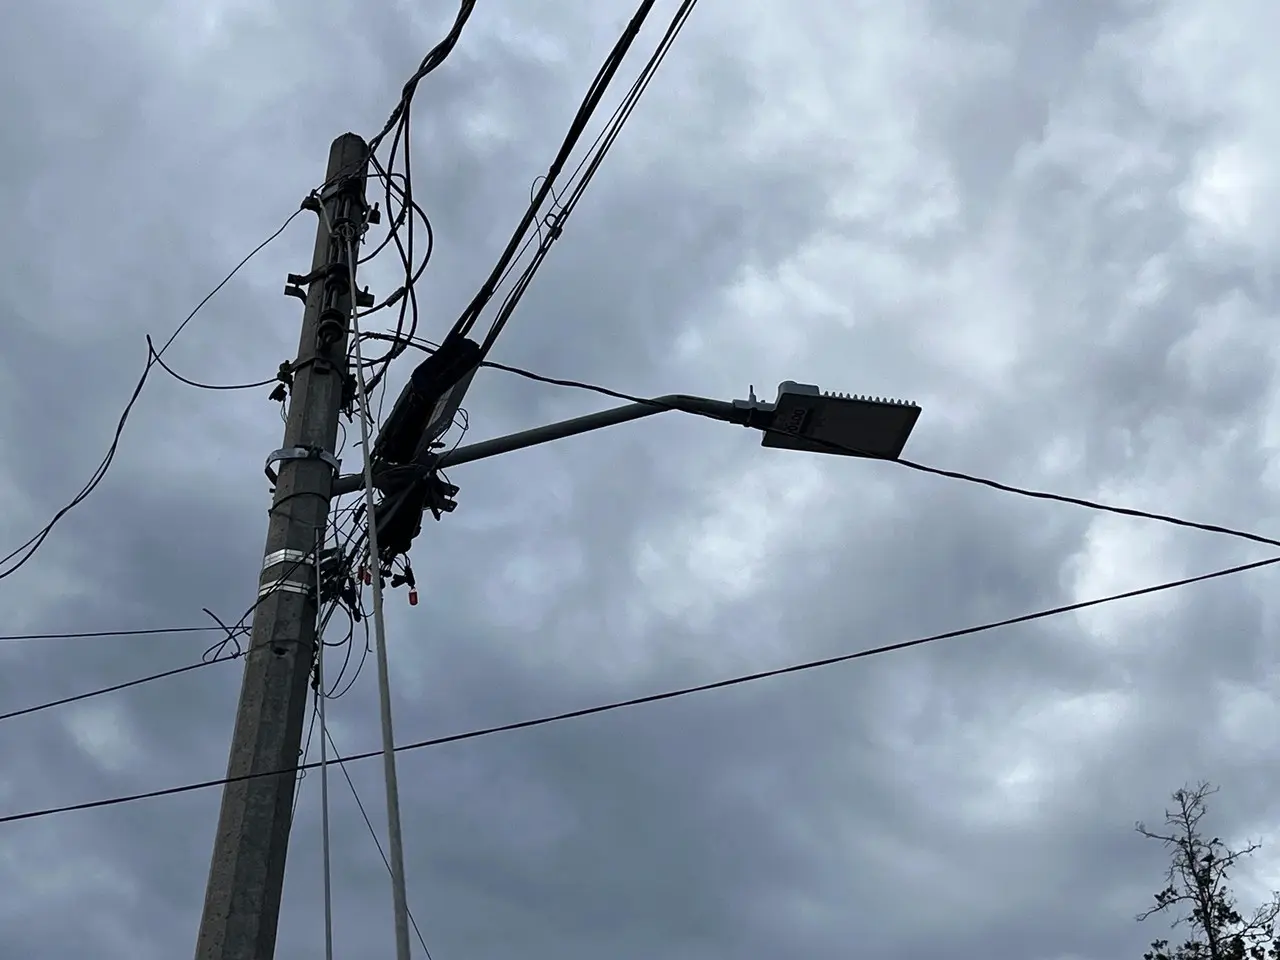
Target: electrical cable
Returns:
[395, 840]
[342, 440]
[342, 765]
[436, 56]
[156, 631]
[115, 687]
[349, 640]
[555, 221]
[302, 772]
[32, 544]
[401, 143]
[909, 464]
[321, 537]
[677, 693]
[211, 656]
[406, 294]
[334, 693]
[400, 121]
[544, 186]
[470, 315]
[203, 386]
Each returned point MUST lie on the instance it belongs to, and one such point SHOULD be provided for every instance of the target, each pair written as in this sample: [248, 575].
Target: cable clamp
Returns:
[300, 453]
[334, 270]
[317, 363]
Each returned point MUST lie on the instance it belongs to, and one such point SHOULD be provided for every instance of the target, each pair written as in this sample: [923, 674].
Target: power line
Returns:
[211, 656]
[16, 637]
[661, 697]
[32, 544]
[401, 146]
[555, 220]
[115, 687]
[591, 101]
[435, 56]
[909, 464]
[203, 386]
[342, 764]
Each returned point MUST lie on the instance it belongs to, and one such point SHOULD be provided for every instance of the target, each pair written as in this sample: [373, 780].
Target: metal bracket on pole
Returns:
[300, 453]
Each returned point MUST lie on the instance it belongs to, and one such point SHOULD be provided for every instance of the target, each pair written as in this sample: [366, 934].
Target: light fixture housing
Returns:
[806, 418]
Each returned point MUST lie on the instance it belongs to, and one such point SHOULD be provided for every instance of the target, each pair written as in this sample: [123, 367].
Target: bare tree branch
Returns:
[1197, 890]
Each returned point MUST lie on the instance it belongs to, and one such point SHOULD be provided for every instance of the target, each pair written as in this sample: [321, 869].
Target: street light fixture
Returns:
[802, 418]
[805, 418]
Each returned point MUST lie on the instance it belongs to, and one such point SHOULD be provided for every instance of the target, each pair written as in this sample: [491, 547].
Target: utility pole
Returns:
[246, 876]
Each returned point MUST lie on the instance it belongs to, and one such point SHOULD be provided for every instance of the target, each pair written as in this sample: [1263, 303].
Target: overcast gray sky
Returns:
[1053, 225]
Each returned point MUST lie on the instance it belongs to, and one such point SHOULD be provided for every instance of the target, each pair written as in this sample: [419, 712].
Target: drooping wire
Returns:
[398, 186]
[678, 693]
[214, 654]
[343, 571]
[203, 386]
[19, 556]
[434, 58]
[406, 295]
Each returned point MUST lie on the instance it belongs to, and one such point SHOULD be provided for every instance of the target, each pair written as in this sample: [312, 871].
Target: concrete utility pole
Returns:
[242, 900]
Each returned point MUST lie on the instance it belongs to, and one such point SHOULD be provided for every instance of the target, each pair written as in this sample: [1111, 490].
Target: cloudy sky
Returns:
[1052, 225]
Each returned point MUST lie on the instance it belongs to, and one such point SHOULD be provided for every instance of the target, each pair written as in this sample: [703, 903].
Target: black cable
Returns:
[28, 548]
[661, 697]
[400, 122]
[351, 627]
[342, 764]
[302, 773]
[586, 110]
[431, 61]
[211, 656]
[203, 386]
[406, 295]
[115, 687]
[592, 160]
[910, 464]
[233, 634]
[334, 693]
[342, 441]
[543, 187]
[151, 631]
[349, 553]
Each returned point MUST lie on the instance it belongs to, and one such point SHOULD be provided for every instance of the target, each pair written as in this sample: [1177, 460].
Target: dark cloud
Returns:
[1026, 217]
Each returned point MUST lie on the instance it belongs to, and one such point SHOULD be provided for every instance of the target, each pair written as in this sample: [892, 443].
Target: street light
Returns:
[805, 418]
[802, 418]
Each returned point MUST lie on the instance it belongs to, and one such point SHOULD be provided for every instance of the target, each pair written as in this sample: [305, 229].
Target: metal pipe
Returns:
[701, 406]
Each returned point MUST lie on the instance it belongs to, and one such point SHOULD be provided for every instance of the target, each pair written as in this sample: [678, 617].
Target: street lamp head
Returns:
[805, 418]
